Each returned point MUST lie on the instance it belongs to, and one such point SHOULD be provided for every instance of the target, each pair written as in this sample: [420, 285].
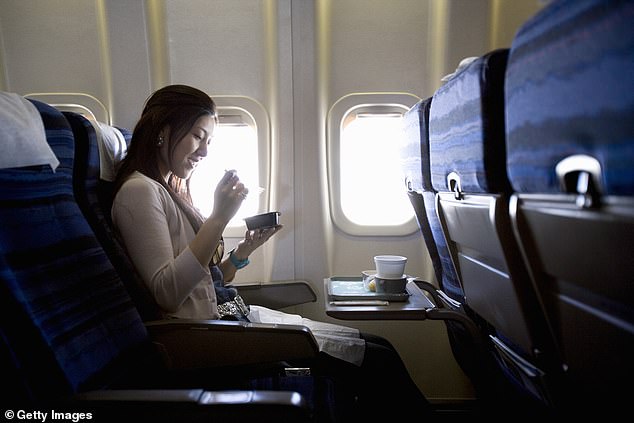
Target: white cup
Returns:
[390, 267]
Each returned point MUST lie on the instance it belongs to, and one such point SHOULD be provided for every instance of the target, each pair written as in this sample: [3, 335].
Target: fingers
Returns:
[262, 234]
[229, 179]
[231, 185]
[255, 238]
[241, 190]
[228, 196]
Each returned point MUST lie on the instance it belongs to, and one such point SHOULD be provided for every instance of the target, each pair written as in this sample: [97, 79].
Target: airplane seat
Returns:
[570, 140]
[476, 362]
[94, 197]
[468, 172]
[414, 158]
[59, 332]
[71, 337]
[422, 196]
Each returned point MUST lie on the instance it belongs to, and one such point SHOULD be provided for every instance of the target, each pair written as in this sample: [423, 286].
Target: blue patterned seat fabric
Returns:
[415, 158]
[569, 90]
[127, 134]
[570, 99]
[467, 145]
[56, 280]
[477, 365]
[416, 129]
[467, 130]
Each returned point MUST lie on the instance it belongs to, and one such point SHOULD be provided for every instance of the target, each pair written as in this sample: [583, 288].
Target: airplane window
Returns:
[371, 183]
[366, 180]
[234, 146]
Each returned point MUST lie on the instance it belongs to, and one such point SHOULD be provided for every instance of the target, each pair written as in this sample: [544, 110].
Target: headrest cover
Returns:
[22, 136]
[112, 149]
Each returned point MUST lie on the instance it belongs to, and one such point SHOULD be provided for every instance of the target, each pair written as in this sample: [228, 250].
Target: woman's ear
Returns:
[163, 136]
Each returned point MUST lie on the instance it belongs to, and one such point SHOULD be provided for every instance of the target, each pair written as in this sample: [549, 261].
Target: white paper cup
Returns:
[390, 267]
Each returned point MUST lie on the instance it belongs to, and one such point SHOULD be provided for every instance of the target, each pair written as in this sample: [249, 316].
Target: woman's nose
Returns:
[202, 149]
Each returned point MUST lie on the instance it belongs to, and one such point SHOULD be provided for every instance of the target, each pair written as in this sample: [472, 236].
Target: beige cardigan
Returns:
[156, 234]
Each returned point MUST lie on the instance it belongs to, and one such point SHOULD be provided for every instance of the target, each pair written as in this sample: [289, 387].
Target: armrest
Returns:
[277, 294]
[427, 287]
[451, 310]
[188, 344]
[191, 405]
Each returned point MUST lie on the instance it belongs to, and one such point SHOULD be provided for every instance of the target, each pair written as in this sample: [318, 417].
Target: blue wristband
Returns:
[239, 264]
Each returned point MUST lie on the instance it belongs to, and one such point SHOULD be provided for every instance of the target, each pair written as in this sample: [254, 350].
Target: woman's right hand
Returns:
[228, 196]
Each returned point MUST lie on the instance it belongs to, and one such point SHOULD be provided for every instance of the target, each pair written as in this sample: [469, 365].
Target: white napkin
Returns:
[338, 341]
[22, 136]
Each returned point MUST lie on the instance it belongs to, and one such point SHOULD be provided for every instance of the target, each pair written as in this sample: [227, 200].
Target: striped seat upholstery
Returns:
[477, 365]
[467, 129]
[127, 134]
[569, 88]
[416, 122]
[415, 159]
[468, 171]
[570, 141]
[94, 199]
[64, 311]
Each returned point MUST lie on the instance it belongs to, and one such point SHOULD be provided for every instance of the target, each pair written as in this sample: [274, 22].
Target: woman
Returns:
[180, 254]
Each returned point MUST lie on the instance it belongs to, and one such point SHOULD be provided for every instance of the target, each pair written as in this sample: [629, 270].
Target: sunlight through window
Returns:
[232, 147]
[372, 190]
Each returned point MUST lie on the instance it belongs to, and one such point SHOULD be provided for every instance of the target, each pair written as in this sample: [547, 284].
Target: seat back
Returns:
[94, 197]
[67, 321]
[477, 363]
[422, 195]
[570, 141]
[468, 171]
[415, 159]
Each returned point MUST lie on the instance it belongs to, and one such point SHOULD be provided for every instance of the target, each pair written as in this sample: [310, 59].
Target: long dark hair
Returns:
[176, 107]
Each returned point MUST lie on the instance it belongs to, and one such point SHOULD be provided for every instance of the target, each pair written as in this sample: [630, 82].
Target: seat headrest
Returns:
[22, 134]
[112, 149]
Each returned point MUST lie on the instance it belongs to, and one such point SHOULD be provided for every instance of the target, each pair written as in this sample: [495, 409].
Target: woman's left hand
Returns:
[254, 239]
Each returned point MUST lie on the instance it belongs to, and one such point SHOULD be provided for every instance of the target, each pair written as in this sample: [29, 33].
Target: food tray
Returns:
[342, 288]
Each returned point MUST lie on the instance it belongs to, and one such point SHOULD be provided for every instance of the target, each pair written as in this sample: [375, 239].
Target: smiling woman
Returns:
[182, 159]
[172, 245]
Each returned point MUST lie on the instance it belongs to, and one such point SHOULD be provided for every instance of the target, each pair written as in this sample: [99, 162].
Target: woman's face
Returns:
[190, 150]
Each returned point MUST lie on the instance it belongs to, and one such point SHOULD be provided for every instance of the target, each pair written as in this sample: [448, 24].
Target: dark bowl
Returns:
[262, 221]
[390, 286]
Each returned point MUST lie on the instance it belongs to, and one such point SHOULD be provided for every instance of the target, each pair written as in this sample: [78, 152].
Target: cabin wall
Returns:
[295, 58]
